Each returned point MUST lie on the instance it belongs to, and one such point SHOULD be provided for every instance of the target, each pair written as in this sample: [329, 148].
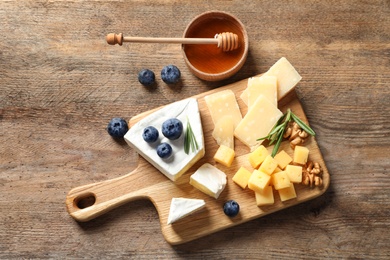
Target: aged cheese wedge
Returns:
[182, 207]
[180, 162]
[263, 85]
[209, 179]
[221, 104]
[287, 76]
[287, 79]
[258, 122]
[223, 132]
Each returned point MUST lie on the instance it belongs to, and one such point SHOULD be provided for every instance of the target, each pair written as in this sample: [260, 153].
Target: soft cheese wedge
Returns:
[182, 207]
[180, 162]
[209, 180]
[258, 122]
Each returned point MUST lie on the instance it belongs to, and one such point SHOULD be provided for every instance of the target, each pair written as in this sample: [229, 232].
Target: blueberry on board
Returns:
[150, 134]
[164, 150]
[231, 208]
[172, 128]
[146, 77]
[117, 127]
[170, 74]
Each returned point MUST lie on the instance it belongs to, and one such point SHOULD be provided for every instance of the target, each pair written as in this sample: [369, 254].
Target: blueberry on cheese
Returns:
[150, 134]
[172, 128]
[186, 111]
[164, 150]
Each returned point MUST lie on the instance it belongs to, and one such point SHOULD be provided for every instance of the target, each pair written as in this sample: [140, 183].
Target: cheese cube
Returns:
[257, 156]
[223, 131]
[301, 154]
[294, 173]
[287, 193]
[258, 122]
[269, 165]
[266, 197]
[224, 155]
[263, 85]
[241, 177]
[283, 159]
[258, 181]
[287, 76]
[223, 103]
[280, 180]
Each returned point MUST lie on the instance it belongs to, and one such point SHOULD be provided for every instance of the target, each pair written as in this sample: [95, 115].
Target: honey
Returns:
[207, 57]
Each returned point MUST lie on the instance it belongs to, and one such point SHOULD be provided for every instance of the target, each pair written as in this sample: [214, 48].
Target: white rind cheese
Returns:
[258, 122]
[179, 162]
[209, 179]
[182, 207]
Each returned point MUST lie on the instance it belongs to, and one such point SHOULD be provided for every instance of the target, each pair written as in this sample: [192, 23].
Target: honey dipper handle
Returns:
[113, 39]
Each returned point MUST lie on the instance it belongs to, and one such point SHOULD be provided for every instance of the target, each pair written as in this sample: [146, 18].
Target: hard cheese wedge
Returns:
[221, 104]
[223, 132]
[209, 180]
[258, 122]
[263, 85]
[182, 207]
[180, 162]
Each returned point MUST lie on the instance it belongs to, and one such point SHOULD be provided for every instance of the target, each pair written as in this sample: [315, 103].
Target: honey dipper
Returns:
[228, 41]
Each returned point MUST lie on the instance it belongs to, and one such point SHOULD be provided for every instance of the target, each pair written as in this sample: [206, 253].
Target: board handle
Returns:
[90, 201]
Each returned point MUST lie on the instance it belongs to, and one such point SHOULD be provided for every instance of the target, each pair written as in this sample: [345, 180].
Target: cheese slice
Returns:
[287, 76]
[209, 180]
[258, 122]
[221, 104]
[263, 85]
[223, 132]
[180, 162]
[182, 207]
[287, 79]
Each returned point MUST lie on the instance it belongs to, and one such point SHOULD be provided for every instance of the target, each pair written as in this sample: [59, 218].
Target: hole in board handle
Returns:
[85, 200]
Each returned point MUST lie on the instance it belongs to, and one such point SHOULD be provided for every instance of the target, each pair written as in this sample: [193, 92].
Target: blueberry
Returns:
[172, 128]
[231, 208]
[146, 77]
[170, 74]
[150, 134]
[164, 150]
[117, 127]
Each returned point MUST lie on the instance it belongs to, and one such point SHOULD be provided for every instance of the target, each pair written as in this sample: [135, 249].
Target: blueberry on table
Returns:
[172, 128]
[150, 134]
[170, 74]
[164, 150]
[231, 208]
[146, 77]
[117, 127]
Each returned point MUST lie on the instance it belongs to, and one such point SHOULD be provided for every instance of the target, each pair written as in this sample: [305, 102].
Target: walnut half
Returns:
[312, 174]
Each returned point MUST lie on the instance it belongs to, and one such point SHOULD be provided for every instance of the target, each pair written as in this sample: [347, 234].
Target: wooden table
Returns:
[60, 84]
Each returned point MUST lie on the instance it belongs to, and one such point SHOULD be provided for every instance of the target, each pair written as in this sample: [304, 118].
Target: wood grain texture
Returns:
[60, 84]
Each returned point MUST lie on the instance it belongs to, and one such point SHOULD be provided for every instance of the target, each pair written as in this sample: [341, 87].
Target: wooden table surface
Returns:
[60, 84]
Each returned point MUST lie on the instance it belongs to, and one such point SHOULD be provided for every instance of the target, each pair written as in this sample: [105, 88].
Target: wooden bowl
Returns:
[208, 62]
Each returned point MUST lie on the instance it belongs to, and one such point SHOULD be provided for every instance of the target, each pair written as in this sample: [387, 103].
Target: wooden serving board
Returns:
[89, 201]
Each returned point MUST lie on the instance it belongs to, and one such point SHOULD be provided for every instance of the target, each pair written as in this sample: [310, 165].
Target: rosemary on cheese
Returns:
[190, 139]
[275, 136]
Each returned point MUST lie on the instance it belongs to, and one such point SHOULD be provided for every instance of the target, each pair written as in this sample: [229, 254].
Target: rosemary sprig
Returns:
[189, 139]
[277, 132]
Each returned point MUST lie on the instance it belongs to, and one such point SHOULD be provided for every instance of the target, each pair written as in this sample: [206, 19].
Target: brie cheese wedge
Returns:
[184, 110]
[182, 207]
[209, 180]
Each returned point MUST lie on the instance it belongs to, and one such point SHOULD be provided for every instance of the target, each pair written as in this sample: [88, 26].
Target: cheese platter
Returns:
[147, 181]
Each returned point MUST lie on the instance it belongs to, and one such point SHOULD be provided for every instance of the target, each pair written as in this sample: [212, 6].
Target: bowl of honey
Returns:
[207, 61]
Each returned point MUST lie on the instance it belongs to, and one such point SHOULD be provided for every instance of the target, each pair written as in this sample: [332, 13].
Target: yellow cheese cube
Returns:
[283, 159]
[266, 197]
[294, 173]
[224, 155]
[257, 156]
[301, 154]
[258, 181]
[269, 165]
[287, 193]
[280, 180]
[241, 177]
